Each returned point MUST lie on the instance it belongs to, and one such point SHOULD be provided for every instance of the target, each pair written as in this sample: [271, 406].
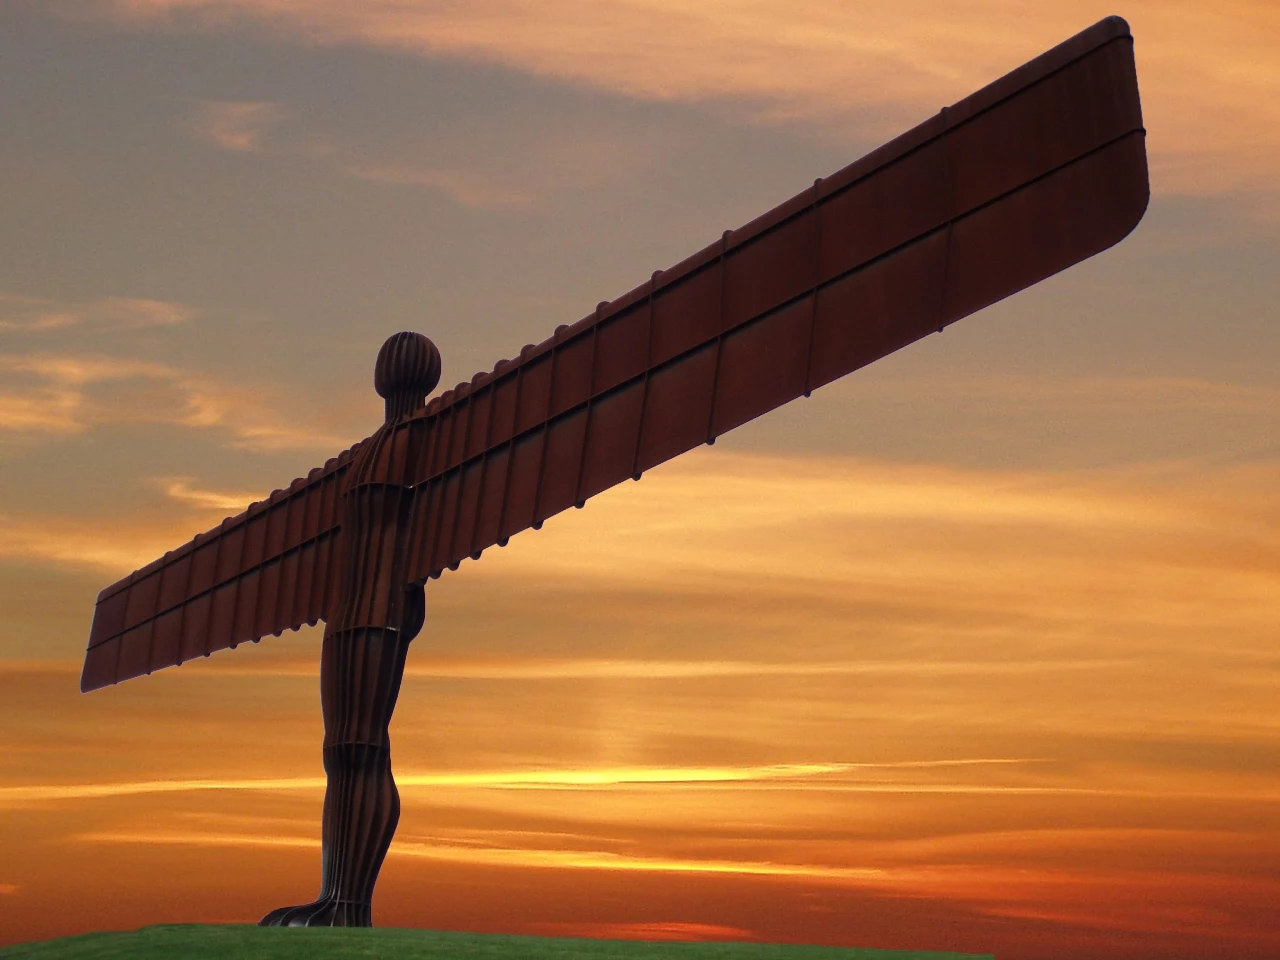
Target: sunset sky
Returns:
[977, 649]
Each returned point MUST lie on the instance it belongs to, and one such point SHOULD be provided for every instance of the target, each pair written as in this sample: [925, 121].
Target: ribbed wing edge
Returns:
[261, 572]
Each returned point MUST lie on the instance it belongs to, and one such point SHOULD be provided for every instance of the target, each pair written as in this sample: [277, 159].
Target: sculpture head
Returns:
[408, 368]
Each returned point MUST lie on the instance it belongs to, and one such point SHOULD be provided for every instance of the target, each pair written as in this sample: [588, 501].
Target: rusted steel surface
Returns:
[1029, 175]
[366, 638]
[1037, 171]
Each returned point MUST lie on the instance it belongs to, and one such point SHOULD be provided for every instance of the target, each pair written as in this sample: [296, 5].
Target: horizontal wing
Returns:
[1031, 174]
[261, 572]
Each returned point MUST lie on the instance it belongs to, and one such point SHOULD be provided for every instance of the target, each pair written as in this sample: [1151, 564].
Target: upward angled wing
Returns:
[1033, 173]
[261, 572]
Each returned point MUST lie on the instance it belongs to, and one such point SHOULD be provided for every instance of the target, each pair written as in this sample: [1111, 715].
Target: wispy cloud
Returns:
[471, 188]
[22, 314]
[10, 796]
[1093, 395]
[51, 393]
[117, 544]
[237, 125]
[180, 490]
[77, 544]
[78, 371]
[549, 167]
[1211, 88]
[55, 399]
[583, 669]
[676, 930]
[252, 127]
[839, 503]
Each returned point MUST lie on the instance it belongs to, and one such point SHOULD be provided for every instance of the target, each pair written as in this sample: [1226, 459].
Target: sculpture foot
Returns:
[325, 912]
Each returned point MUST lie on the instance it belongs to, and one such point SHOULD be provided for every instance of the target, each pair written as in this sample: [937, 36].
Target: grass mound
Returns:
[235, 942]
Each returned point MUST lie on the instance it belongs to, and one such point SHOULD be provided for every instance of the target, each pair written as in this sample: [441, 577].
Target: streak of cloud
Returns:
[997, 888]
[23, 314]
[61, 394]
[500, 856]
[236, 125]
[1094, 396]
[607, 669]
[16, 796]
[1146, 900]
[180, 489]
[594, 778]
[548, 169]
[468, 187]
[677, 930]
[75, 544]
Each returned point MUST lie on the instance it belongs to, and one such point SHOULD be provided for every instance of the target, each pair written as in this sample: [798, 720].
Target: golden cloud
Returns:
[594, 778]
[118, 544]
[115, 545]
[65, 542]
[180, 489]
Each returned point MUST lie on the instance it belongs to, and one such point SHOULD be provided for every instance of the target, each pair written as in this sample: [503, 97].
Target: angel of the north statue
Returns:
[1039, 170]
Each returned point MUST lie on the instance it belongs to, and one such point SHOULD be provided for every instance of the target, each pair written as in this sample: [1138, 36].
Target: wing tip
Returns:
[89, 682]
[1115, 25]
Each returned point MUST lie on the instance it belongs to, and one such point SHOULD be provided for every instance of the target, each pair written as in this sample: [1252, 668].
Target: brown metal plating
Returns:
[1035, 172]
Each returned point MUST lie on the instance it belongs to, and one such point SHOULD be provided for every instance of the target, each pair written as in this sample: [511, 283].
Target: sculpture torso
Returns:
[376, 503]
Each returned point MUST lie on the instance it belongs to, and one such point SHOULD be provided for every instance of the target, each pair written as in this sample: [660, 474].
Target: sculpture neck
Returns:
[400, 405]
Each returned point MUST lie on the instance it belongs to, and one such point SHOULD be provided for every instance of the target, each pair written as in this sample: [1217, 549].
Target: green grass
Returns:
[234, 942]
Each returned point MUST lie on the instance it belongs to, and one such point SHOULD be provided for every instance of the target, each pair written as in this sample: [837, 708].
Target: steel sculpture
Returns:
[1033, 173]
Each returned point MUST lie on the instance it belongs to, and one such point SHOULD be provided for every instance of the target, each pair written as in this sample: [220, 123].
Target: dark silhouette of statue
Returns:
[1033, 173]
[363, 653]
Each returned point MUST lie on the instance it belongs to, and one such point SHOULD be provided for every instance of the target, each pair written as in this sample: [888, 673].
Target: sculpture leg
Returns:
[360, 674]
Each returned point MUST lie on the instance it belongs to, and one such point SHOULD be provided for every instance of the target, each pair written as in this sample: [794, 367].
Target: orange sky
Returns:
[975, 650]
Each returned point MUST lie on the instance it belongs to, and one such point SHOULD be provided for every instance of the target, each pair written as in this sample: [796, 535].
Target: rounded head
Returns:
[408, 369]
